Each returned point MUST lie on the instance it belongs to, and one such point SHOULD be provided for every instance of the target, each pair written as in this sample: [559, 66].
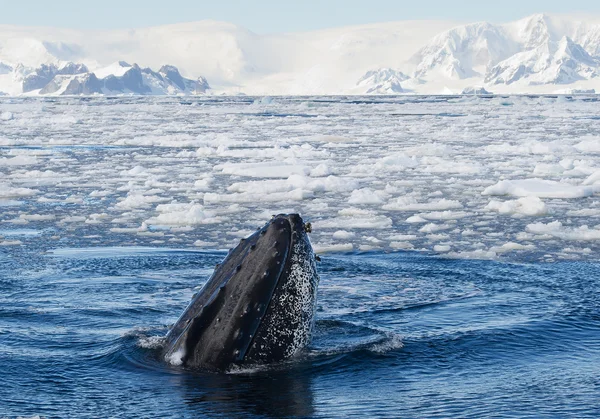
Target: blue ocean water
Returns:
[397, 335]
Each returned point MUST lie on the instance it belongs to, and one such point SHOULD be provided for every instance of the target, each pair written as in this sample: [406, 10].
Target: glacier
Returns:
[540, 54]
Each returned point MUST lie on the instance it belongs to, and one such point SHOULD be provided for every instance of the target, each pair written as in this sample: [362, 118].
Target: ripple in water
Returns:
[396, 334]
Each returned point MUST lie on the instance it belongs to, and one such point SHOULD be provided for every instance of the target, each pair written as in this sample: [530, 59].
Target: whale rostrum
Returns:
[257, 307]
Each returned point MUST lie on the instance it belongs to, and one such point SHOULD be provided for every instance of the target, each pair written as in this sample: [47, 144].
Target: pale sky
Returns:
[267, 16]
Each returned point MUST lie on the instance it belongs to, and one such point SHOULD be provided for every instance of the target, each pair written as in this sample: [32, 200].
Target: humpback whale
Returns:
[257, 307]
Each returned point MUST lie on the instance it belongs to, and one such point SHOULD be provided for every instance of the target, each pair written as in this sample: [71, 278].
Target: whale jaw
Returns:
[257, 307]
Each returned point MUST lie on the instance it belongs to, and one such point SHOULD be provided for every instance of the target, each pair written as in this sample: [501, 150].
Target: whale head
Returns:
[257, 307]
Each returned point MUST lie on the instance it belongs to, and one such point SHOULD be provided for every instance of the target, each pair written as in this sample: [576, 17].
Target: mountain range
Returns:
[537, 54]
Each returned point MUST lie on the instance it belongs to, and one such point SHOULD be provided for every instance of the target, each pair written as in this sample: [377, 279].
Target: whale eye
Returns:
[263, 232]
[253, 247]
[266, 274]
[238, 268]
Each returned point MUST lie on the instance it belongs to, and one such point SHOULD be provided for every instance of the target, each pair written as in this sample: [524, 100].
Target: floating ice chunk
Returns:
[415, 219]
[206, 151]
[138, 200]
[584, 212]
[593, 179]
[204, 184]
[365, 196]
[263, 186]
[408, 203]
[556, 229]
[402, 237]
[373, 222]
[343, 235]
[530, 147]
[437, 237]
[567, 164]
[326, 184]
[528, 205]
[37, 217]
[432, 228]
[141, 229]
[136, 171]
[438, 165]
[320, 171]
[100, 194]
[96, 218]
[7, 191]
[273, 169]
[73, 199]
[544, 169]
[294, 195]
[367, 247]
[351, 218]
[18, 161]
[511, 246]
[396, 161]
[330, 138]
[444, 215]
[441, 248]
[540, 188]
[429, 149]
[203, 243]
[329, 248]
[183, 214]
[73, 219]
[589, 145]
[6, 116]
[402, 245]
[10, 243]
[473, 254]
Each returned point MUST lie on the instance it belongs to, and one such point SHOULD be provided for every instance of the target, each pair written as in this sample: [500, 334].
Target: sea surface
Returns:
[443, 292]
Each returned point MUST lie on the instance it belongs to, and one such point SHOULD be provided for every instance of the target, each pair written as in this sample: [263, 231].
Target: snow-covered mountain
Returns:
[119, 78]
[464, 52]
[562, 62]
[538, 50]
[538, 54]
[384, 81]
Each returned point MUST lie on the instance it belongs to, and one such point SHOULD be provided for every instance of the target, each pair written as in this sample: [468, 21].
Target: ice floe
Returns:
[456, 177]
[540, 188]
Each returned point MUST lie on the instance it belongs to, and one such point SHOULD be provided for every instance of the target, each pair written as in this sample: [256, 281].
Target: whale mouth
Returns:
[254, 307]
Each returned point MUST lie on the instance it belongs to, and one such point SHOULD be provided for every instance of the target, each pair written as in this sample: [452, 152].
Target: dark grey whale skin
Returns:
[257, 307]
